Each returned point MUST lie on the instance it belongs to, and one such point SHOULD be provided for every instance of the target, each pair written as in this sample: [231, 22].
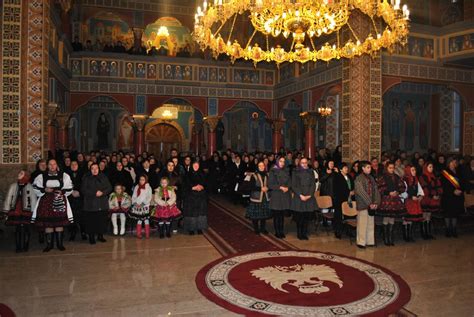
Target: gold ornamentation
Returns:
[305, 21]
[212, 122]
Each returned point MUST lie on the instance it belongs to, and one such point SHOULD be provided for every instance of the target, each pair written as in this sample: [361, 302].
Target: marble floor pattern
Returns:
[130, 277]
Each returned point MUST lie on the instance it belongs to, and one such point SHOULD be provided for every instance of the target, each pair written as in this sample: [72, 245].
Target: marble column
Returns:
[361, 98]
[277, 137]
[140, 122]
[51, 113]
[211, 134]
[63, 128]
[309, 121]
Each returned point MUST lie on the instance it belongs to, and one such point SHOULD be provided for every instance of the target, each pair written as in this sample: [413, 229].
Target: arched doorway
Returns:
[161, 138]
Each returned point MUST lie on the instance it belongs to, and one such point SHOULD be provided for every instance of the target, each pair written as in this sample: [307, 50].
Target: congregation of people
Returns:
[87, 194]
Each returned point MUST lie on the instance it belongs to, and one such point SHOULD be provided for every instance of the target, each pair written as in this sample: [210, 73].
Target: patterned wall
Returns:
[468, 136]
[332, 122]
[446, 120]
[11, 78]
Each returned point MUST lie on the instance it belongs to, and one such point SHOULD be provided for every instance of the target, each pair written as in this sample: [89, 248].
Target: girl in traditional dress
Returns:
[390, 186]
[53, 211]
[431, 202]
[166, 209]
[140, 211]
[119, 205]
[452, 200]
[259, 209]
[413, 196]
[19, 203]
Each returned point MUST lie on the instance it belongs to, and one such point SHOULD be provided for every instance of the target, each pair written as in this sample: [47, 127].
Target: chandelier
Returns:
[324, 111]
[289, 30]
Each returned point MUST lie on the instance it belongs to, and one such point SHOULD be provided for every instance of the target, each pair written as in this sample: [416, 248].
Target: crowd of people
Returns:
[87, 193]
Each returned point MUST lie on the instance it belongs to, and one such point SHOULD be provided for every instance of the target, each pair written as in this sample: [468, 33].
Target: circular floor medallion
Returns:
[302, 283]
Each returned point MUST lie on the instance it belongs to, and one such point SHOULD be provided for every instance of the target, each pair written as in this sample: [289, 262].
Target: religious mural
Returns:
[461, 43]
[178, 72]
[246, 76]
[406, 121]
[106, 28]
[293, 130]
[169, 35]
[125, 133]
[416, 46]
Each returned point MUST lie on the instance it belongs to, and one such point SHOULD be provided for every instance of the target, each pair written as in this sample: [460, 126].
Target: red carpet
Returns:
[302, 283]
[5, 311]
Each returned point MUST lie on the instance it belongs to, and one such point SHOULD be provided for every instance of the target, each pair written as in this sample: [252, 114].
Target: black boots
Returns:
[388, 235]
[263, 226]
[408, 233]
[161, 228]
[256, 228]
[168, 230]
[49, 242]
[19, 239]
[100, 237]
[302, 229]
[72, 232]
[278, 224]
[59, 240]
[92, 238]
[429, 232]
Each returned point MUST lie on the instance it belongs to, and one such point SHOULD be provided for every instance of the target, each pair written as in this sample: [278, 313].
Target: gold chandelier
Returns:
[300, 22]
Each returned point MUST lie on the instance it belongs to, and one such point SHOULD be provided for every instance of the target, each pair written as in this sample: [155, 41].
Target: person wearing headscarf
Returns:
[279, 183]
[18, 206]
[343, 192]
[76, 201]
[53, 211]
[95, 189]
[258, 210]
[141, 200]
[452, 199]
[303, 203]
[431, 202]
[120, 176]
[195, 200]
[413, 196]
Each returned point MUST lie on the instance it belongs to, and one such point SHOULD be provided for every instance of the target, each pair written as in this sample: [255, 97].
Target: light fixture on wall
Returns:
[163, 31]
[324, 110]
[166, 112]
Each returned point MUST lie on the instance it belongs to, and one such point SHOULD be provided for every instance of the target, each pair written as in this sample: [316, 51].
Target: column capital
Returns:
[63, 119]
[309, 119]
[139, 121]
[212, 122]
[51, 111]
[277, 124]
[196, 126]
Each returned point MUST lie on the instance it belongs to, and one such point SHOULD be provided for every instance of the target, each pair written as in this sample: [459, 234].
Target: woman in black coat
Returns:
[119, 176]
[75, 200]
[195, 200]
[452, 199]
[279, 182]
[343, 190]
[95, 189]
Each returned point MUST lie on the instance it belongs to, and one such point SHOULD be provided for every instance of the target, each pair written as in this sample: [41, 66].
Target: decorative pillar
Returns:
[65, 19]
[361, 98]
[309, 121]
[63, 127]
[140, 122]
[277, 138]
[51, 112]
[211, 135]
[196, 137]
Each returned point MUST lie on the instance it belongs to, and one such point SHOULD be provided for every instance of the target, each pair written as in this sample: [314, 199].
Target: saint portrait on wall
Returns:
[103, 128]
[395, 124]
[410, 123]
[125, 137]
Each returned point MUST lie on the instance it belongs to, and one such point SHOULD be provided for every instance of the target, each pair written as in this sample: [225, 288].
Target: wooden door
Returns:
[161, 138]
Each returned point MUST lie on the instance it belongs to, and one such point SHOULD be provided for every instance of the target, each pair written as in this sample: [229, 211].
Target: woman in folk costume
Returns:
[279, 184]
[452, 199]
[413, 196]
[195, 200]
[166, 210]
[141, 199]
[119, 205]
[53, 212]
[431, 202]
[259, 209]
[18, 204]
[390, 186]
[303, 203]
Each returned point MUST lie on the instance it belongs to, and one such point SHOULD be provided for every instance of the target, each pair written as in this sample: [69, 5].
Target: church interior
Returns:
[340, 81]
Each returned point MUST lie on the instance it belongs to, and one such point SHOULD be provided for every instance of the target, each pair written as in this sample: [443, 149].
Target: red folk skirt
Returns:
[18, 216]
[166, 213]
[49, 217]
[392, 207]
[429, 204]
[414, 211]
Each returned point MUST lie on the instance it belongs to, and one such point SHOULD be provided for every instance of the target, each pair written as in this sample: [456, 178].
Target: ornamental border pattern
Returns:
[37, 72]
[141, 5]
[159, 89]
[10, 129]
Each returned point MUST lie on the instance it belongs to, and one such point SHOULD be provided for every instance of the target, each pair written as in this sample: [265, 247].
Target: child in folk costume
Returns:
[119, 205]
[413, 196]
[53, 212]
[166, 210]
[141, 200]
[431, 202]
[390, 186]
[19, 202]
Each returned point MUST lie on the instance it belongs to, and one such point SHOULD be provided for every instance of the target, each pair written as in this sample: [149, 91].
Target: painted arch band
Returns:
[302, 283]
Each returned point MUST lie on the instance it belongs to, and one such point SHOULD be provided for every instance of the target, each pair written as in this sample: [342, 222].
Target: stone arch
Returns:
[155, 122]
